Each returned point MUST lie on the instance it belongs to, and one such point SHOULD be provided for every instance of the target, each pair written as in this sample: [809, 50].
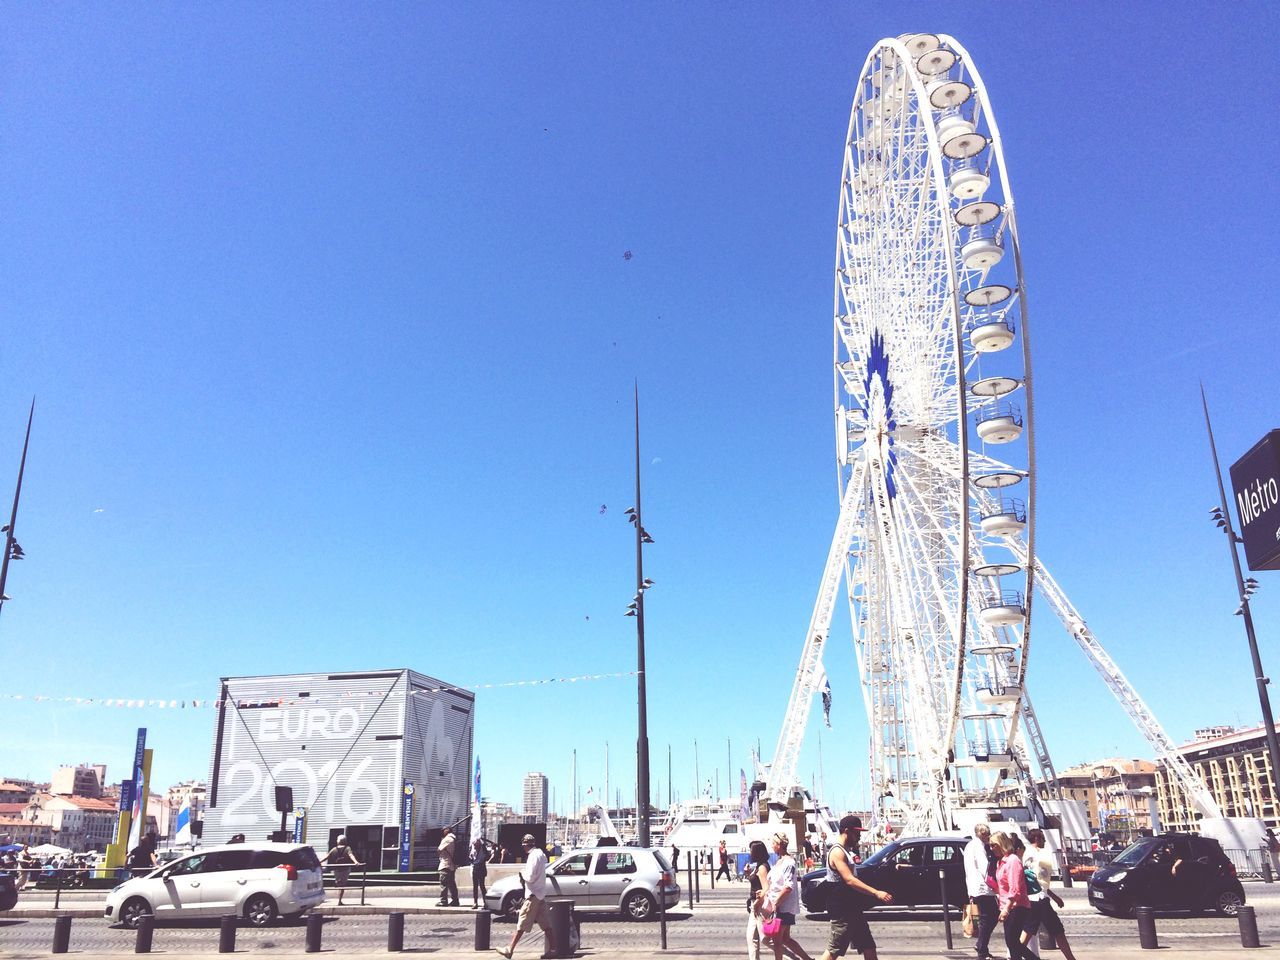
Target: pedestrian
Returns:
[675, 858]
[849, 928]
[480, 853]
[142, 858]
[756, 874]
[342, 859]
[1011, 889]
[1043, 916]
[448, 870]
[724, 862]
[782, 899]
[982, 893]
[534, 909]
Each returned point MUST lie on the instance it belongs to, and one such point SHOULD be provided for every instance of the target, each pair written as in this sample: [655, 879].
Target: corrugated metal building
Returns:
[382, 756]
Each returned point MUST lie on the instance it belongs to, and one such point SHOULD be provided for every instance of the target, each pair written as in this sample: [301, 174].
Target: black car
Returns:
[908, 869]
[1143, 874]
[8, 890]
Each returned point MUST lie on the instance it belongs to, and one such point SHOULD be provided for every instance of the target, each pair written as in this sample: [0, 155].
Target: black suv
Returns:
[908, 869]
[1143, 874]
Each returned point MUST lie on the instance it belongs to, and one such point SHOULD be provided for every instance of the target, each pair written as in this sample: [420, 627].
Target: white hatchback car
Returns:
[257, 881]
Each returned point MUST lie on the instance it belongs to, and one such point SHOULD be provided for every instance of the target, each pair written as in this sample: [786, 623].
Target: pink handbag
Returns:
[771, 927]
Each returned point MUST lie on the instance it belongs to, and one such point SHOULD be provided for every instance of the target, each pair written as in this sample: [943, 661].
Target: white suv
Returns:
[257, 881]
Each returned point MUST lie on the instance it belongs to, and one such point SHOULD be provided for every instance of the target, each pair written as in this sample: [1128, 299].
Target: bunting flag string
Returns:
[200, 704]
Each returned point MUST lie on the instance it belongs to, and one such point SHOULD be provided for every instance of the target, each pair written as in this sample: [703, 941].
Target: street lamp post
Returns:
[1222, 515]
[636, 609]
[12, 549]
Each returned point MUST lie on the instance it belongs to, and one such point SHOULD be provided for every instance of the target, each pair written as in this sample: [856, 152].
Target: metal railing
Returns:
[979, 320]
[1009, 507]
[996, 411]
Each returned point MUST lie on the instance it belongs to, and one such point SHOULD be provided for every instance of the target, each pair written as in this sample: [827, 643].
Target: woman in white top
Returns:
[782, 899]
[1043, 916]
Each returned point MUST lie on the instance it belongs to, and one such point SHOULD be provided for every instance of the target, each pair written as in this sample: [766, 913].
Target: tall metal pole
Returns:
[668, 776]
[642, 718]
[13, 514]
[1264, 700]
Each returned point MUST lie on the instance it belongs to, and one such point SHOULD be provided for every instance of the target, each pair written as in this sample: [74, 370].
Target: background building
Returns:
[535, 796]
[1235, 766]
[1118, 794]
[347, 744]
[80, 824]
[84, 780]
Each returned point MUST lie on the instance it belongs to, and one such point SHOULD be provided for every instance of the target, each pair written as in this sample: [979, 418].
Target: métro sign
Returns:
[1255, 479]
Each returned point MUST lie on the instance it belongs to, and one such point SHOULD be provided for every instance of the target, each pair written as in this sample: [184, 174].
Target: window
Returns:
[189, 865]
[615, 863]
[945, 853]
[730, 828]
[229, 860]
[263, 859]
[575, 866]
[908, 856]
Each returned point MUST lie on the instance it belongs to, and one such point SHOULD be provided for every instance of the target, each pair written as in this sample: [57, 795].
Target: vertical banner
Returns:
[300, 825]
[141, 791]
[406, 828]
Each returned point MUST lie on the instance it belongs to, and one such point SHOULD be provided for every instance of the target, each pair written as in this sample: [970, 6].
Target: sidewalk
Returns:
[1188, 951]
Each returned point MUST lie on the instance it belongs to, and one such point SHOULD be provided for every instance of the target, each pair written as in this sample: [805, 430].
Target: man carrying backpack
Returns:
[849, 928]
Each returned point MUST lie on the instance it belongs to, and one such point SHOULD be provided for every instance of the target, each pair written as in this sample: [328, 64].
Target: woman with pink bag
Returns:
[780, 902]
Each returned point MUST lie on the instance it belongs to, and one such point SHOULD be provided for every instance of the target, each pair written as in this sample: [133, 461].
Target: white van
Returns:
[258, 881]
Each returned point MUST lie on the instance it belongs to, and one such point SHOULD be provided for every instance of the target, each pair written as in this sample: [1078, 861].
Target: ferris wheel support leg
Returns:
[786, 755]
[1165, 749]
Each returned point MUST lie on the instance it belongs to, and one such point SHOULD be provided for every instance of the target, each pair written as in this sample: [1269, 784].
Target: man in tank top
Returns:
[849, 928]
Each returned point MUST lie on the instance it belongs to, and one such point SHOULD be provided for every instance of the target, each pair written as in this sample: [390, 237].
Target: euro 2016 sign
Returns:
[1255, 479]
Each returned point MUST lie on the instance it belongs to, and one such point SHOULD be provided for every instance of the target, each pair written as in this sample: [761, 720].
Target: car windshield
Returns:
[1135, 852]
[882, 854]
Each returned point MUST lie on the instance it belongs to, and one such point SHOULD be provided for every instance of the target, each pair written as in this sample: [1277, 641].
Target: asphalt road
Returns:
[715, 926]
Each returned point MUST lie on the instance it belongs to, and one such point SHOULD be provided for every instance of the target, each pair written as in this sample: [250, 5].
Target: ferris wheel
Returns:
[935, 541]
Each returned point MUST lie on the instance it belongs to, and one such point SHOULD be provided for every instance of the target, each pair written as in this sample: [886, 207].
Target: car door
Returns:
[225, 880]
[948, 857]
[906, 870]
[615, 872]
[571, 877]
[178, 887]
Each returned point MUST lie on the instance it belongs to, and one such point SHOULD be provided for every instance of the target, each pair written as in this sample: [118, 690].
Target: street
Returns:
[714, 927]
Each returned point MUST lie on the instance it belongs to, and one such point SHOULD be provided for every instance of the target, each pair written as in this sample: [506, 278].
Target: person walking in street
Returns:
[723, 853]
[982, 893]
[480, 852]
[342, 859]
[756, 873]
[675, 858]
[849, 928]
[448, 870]
[1043, 916]
[1011, 889]
[782, 899]
[534, 909]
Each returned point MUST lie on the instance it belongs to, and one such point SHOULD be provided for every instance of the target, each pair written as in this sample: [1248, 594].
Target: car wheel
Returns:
[638, 905]
[260, 910]
[511, 904]
[1228, 902]
[134, 909]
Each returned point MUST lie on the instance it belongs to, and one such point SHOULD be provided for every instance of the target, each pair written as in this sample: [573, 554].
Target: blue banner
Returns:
[406, 829]
[300, 825]
[128, 787]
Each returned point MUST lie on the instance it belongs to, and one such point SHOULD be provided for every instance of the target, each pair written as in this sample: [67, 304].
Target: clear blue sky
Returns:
[333, 337]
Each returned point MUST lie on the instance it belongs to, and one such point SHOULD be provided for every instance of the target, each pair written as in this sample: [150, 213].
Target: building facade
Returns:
[1117, 792]
[80, 824]
[361, 752]
[1234, 765]
[17, 830]
[85, 780]
[536, 787]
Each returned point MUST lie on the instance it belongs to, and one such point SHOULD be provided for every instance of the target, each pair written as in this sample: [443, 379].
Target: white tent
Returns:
[49, 850]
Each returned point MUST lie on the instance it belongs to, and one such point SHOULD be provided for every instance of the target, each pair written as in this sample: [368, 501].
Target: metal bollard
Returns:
[315, 926]
[146, 926]
[697, 885]
[561, 910]
[946, 909]
[1146, 928]
[484, 927]
[1267, 875]
[689, 867]
[395, 932]
[227, 935]
[61, 934]
[1248, 927]
[662, 913]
